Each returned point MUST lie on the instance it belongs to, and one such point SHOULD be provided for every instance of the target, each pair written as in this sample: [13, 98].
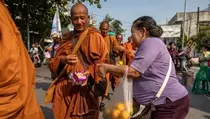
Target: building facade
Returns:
[191, 21]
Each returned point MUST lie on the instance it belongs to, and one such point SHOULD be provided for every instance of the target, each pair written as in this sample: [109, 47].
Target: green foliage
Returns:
[179, 41]
[115, 25]
[41, 13]
[203, 37]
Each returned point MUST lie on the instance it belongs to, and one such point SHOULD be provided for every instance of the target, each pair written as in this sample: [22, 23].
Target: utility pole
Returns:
[198, 19]
[183, 31]
[28, 34]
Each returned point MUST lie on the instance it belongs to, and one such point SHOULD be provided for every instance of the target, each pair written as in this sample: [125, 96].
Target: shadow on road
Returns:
[199, 102]
[207, 117]
[42, 85]
[47, 112]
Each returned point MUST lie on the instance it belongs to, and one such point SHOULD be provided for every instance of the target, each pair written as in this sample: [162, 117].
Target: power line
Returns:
[104, 18]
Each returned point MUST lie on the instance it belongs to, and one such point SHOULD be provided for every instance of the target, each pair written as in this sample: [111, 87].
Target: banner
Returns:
[56, 25]
[171, 31]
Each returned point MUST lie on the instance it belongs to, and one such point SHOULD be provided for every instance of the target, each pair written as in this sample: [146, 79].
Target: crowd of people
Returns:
[183, 58]
[102, 59]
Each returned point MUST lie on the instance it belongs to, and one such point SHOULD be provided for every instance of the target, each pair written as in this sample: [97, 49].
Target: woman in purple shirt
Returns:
[148, 71]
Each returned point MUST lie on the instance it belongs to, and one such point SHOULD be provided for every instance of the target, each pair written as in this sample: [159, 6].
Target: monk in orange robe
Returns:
[72, 101]
[129, 52]
[17, 73]
[111, 41]
[112, 44]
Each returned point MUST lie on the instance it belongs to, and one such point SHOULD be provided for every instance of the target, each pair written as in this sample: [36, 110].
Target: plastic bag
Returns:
[121, 104]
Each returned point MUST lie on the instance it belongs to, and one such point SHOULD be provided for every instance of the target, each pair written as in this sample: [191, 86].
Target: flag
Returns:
[56, 25]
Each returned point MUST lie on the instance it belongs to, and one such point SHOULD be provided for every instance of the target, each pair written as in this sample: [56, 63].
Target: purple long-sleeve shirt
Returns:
[152, 61]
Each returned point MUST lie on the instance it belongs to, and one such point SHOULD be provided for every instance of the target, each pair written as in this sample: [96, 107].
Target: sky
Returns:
[129, 10]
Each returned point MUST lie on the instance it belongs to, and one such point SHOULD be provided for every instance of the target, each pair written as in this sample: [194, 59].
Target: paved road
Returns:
[199, 109]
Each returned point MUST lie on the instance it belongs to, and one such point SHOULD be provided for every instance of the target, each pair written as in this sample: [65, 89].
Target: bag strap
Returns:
[76, 48]
[165, 80]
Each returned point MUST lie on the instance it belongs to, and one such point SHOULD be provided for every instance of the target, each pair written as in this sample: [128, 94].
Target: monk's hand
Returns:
[70, 59]
[102, 70]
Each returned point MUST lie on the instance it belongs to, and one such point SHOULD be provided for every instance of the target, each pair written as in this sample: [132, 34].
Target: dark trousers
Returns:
[172, 110]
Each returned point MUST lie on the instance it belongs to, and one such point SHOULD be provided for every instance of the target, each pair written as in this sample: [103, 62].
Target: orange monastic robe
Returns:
[17, 73]
[129, 52]
[73, 101]
[112, 45]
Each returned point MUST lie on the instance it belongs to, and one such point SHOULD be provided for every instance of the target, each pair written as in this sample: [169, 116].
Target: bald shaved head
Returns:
[79, 8]
[129, 39]
[104, 23]
[79, 17]
[104, 27]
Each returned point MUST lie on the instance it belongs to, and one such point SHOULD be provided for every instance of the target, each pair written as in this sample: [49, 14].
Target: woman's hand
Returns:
[102, 70]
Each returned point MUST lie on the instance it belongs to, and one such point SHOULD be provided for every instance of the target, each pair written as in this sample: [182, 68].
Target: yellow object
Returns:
[125, 115]
[206, 53]
[120, 107]
[120, 62]
[131, 110]
[115, 114]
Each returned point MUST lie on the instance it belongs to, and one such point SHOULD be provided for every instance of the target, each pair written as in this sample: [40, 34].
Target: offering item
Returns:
[79, 77]
[118, 111]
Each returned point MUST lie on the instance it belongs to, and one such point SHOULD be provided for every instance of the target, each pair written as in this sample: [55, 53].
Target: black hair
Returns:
[206, 47]
[171, 43]
[150, 24]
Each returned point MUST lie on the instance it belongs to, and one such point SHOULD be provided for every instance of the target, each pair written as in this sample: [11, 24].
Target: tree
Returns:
[39, 13]
[115, 25]
[203, 37]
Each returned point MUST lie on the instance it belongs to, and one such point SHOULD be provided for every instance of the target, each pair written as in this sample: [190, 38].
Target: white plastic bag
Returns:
[121, 104]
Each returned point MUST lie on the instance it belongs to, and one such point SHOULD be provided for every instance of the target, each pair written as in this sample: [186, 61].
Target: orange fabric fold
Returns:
[129, 52]
[17, 73]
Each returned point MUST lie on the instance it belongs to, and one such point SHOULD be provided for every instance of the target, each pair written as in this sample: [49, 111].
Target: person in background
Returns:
[17, 73]
[182, 55]
[148, 71]
[129, 51]
[55, 44]
[112, 44]
[173, 52]
[47, 55]
[34, 51]
[204, 60]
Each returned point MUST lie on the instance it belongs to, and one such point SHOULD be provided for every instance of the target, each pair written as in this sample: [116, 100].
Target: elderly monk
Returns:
[129, 52]
[17, 73]
[112, 44]
[72, 101]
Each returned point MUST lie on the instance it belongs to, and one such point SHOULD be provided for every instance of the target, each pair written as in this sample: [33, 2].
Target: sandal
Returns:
[102, 107]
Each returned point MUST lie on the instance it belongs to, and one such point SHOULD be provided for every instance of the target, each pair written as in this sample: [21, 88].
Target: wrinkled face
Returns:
[80, 19]
[119, 38]
[137, 36]
[104, 29]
